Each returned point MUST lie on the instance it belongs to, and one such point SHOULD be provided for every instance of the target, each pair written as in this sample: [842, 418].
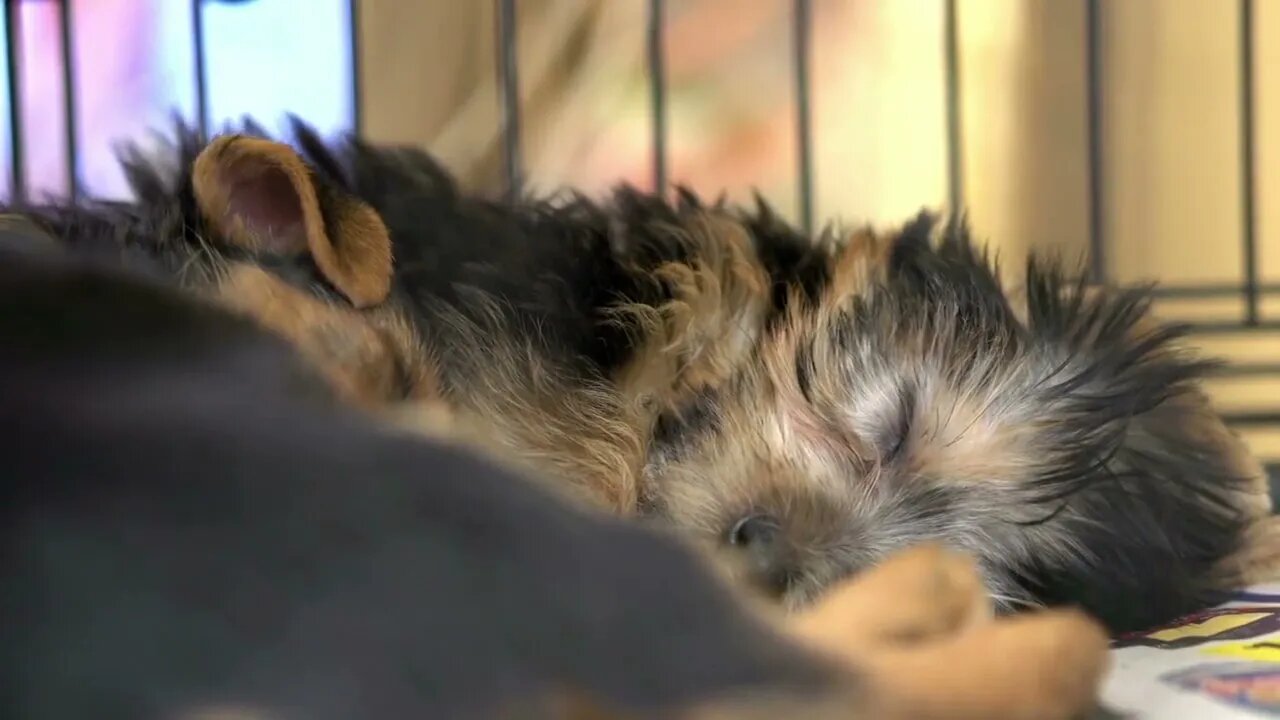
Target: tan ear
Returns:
[260, 195]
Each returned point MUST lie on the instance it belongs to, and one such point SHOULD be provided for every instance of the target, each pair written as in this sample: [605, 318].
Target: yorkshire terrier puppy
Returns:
[194, 529]
[799, 407]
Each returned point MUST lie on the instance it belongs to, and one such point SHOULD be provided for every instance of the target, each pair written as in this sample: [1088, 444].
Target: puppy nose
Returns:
[766, 552]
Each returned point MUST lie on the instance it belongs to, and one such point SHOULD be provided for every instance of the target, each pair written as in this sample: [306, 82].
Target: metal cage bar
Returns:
[802, 28]
[1212, 290]
[509, 83]
[955, 127]
[1252, 419]
[357, 86]
[65, 27]
[1248, 369]
[1093, 109]
[1248, 184]
[1230, 327]
[655, 58]
[17, 170]
[201, 73]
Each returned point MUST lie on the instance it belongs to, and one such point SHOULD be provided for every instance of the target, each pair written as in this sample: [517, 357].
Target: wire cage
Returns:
[1251, 290]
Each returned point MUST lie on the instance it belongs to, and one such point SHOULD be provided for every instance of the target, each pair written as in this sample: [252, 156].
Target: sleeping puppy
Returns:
[197, 527]
[798, 407]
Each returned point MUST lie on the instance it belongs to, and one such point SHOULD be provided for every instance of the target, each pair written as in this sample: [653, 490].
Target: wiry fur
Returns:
[696, 364]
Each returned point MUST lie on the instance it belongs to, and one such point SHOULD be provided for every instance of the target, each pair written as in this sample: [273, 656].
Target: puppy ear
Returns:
[260, 195]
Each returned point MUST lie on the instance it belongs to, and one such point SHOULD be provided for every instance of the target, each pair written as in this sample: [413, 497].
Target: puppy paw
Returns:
[1043, 666]
[914, 596]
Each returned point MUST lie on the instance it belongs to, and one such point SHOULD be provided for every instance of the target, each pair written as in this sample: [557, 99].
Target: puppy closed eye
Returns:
[897, 440]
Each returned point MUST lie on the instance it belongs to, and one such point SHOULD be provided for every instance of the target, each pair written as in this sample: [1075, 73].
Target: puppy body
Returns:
[801, 408]
[194, 528]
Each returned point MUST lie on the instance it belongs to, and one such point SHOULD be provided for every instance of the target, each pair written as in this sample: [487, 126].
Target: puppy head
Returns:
[1060, 438]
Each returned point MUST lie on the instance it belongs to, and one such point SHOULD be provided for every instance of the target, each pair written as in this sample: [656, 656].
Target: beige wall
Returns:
[423, 66]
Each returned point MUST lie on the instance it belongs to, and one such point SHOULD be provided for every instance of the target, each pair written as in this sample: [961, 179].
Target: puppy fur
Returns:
[798, 407]
[191, 523]
[195, 527]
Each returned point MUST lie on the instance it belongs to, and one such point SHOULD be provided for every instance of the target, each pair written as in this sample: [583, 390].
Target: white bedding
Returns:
[1222, 664]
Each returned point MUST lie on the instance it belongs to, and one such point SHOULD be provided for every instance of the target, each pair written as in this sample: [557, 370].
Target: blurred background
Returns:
[1142, 135]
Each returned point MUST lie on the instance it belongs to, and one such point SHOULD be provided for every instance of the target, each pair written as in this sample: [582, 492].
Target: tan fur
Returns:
[921, 630]
[369, 356]
[1198, 410]
[354, 253]
[973, 450]
[585, 436]
[858, 265]
[971, 447]
[1259, 559]
[701, 335]
[919, 635]
[915, 596]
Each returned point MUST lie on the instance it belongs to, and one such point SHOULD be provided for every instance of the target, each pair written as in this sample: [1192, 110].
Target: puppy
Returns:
[196, 527]
[798, 407]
